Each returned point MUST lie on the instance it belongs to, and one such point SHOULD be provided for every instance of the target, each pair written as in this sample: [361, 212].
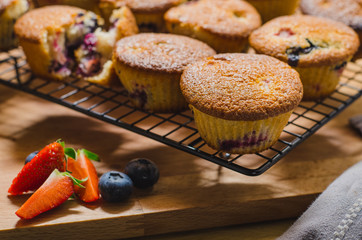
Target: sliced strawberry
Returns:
[54, 191]
[34, 174]
[83, 168]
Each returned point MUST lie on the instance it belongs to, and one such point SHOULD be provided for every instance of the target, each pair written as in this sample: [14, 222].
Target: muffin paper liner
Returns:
[319, 82]
[219, 43]
[8, 39]
[270, 9]
[239, 137]
[152, 91]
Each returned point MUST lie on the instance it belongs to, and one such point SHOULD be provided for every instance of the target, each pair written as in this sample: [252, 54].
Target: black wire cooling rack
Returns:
[178, 130]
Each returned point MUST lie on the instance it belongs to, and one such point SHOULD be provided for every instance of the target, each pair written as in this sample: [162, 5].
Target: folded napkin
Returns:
[336, 214]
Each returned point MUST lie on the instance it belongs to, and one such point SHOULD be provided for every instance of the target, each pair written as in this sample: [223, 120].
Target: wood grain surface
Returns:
[191, 194]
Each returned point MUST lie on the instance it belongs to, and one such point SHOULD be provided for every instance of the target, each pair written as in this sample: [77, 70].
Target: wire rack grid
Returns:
[178, 129]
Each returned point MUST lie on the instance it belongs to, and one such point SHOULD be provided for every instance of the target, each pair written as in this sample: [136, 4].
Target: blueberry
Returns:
[143, 172]
[30, 156]
[295, 52]
[115, 186]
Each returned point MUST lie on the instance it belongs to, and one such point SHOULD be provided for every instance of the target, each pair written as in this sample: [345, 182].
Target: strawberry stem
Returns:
[62, 143]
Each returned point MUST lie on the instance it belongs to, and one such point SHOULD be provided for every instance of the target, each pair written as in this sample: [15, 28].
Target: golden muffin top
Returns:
[146, 6]
[160, 52]
[229, 18]
[347, 11]
[237, 86]
[32, 25]
[305, 40]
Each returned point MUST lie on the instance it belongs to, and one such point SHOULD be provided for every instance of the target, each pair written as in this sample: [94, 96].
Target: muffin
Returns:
[223, 24]
[347, 11]
[148, 13]
[318, 48]
[10, 11]
[61, 40]
[270, 9]
[241, 102]
[91, 5]
[94, 56]
[149, 66]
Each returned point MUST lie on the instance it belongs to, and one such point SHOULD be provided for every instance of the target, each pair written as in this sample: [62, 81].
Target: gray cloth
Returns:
[336, 214]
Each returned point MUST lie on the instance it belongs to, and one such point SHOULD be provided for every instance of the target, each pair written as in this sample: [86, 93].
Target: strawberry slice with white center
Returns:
[82, 168]
[54, 191]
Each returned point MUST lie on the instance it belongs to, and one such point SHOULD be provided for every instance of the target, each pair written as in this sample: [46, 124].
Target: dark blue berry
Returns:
[143, 172]
[30, 156]
[115, 186]
[295, 52]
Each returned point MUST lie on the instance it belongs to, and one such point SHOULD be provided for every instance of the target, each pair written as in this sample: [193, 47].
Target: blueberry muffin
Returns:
[347, 11]
[241, 102]
[270, 9]
[318, 48]
[10, 11]
[60, 41]
[223, 24]
[149, 66]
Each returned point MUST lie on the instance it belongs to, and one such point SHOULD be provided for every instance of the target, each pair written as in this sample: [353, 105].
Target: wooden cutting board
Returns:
[192, 193]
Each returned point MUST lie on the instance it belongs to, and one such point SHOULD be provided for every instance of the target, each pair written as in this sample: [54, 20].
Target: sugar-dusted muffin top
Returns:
[237, 86]
[347, 11]
[229, 18]
[160, 52]
[146, 6]
[305, 40]
[34, 24]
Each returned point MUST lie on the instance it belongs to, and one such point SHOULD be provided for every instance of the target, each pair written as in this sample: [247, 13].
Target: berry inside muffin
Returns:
[63, 43]
[68, 41]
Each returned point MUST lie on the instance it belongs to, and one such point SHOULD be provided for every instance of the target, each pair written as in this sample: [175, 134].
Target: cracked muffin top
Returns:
[347, 11]
[228, 18]
[34, 24]
[160, 52]
[305, 40]
[238, 86]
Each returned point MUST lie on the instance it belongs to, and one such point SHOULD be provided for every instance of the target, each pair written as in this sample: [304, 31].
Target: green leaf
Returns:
[76, 181]
[70, 152]
[90, 155]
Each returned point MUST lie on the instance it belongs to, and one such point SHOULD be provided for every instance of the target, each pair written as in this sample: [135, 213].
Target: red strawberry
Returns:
[54, 191]
[33, 174]
[83, 168]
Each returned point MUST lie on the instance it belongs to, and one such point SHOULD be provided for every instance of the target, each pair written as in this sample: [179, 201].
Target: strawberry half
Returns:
[82, 168]
[54, 191]
[34, 174]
